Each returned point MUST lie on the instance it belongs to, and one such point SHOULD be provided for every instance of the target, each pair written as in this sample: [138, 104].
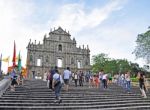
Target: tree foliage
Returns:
[101, 61]
[142, 49]
[114, 66]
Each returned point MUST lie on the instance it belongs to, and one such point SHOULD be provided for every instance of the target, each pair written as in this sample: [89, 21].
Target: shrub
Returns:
[134, 79]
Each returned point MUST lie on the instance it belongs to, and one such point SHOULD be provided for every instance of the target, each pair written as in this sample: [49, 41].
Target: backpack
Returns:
[57, 82]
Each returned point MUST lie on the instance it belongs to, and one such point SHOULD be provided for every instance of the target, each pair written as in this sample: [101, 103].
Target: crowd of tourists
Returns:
[124, 80]
[56, 80]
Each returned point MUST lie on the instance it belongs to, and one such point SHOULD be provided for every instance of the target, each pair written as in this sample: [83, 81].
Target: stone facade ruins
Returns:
[58, 49]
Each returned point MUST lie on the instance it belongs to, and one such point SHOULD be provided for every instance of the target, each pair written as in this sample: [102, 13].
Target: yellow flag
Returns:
[5, 59]
[17, 58]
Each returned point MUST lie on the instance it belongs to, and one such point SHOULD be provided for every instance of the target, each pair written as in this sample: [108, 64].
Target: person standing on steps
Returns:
[128, 82]
[48, 79]
[75, 78]
[13, 76]
[91, 81]
[66, 77]
[96, 80]
[141, 84]
[101, 73]
[104, 79]
[57, 85]
[81, 77]
[45, 76]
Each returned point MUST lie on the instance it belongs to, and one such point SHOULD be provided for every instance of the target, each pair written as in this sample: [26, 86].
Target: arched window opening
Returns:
[47, 59]
[31, 58]
[79, 64]
[59, 47]
[38, 62]
[59, 62]
[86, 62]
[59, 37]
[72, 61]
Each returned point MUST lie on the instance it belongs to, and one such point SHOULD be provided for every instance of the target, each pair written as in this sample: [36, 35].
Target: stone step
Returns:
[146, 107]
[79, 91]
[73, 90]
[62, 107]
[38, 94]
[52, 103]
[70, 101]
[70, 93]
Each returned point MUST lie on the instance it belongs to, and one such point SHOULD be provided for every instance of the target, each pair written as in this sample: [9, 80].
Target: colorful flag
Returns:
[6, 59]
[17, 58]
[14, 55]
[19, 63]
[0, 65]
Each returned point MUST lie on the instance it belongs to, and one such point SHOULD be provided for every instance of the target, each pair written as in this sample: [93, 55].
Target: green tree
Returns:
[142, 49]
[123, 65]
[99, 62]
[114, 66]
[110, 66]
[135, 69]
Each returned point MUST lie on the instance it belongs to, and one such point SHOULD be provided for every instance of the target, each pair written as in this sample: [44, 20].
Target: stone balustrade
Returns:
[4, 84]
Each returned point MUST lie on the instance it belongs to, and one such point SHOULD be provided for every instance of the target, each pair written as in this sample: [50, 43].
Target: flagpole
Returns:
[14, 55]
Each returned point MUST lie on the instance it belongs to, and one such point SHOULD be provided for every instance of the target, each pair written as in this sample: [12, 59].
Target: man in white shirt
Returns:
[104, 79]
[57, 85]
[66, 76]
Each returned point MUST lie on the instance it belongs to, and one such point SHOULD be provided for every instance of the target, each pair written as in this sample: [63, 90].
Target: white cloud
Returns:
[118, 42]
[13, 27]
[74, 16]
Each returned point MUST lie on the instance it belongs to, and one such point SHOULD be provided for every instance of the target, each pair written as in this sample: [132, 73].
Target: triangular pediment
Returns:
[60, 31]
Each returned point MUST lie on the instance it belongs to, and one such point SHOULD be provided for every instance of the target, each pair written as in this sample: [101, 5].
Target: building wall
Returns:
[58, 45]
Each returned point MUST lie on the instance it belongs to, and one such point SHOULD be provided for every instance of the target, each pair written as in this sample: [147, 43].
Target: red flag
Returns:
[14, 55]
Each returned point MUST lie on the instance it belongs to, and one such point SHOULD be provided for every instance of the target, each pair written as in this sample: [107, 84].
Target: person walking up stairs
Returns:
[57, 85]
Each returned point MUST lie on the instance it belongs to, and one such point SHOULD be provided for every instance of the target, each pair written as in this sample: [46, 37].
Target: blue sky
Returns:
[107, 26]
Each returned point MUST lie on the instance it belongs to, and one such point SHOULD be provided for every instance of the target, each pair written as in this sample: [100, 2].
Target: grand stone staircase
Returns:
[34, 95]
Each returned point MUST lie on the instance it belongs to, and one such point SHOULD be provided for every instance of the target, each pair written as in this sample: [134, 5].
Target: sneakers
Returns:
[55, 101]
[129, 92]
[60, 101]
[145, 97]
[13, 90]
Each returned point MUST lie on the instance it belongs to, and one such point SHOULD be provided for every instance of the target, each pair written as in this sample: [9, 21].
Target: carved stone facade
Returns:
[57, 49]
